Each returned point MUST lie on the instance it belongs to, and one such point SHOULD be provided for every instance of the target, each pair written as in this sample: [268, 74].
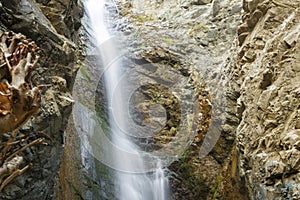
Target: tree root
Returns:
[19, 101]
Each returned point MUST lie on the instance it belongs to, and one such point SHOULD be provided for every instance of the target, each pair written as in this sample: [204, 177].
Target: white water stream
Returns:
[132, 178]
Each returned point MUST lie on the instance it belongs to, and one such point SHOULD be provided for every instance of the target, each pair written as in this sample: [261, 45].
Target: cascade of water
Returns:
[131, 180]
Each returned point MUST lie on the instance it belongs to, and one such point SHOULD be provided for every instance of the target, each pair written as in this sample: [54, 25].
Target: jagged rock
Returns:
[257, 153]
[242, 37]
[187, 4]
[267, 138]
[178, 37]
[55, 71]
[200, 2]
[216, 7]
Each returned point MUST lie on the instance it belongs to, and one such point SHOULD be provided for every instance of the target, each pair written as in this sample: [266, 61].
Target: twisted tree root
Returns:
[19, 100]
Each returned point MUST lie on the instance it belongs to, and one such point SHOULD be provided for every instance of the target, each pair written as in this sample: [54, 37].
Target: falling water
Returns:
[132, 178]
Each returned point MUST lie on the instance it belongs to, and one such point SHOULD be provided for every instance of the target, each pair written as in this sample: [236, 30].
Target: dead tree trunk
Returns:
[19, 99]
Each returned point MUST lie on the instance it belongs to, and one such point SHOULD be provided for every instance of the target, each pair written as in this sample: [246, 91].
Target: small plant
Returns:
[168, 41]
[143, 18]
[84, 72]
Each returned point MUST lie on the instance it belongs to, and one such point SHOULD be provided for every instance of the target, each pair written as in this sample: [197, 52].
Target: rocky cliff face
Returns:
[267, 71]
[251, 74]
[241, 58]
[193, 38]
[55, 31]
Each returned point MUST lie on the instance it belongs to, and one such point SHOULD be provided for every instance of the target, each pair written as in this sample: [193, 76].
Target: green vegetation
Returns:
[200, 27]
[84, 72]
[216, 188]
[196, 184]
[168, 41]
[143, 18]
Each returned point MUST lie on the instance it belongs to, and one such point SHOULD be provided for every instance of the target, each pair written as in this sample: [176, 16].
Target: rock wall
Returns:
[189, 40]
[196, 39]
[243, 66]
[267, 71]
[56, 32]
[252, 75]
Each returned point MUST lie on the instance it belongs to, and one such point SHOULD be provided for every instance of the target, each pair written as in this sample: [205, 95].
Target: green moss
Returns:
[143, 18]
[84, 72]
[216, 188]
[196, 184]
[173, 129]
[101, 120]
[84, 101]
[168, 41]
[176, 65]
[200, 27]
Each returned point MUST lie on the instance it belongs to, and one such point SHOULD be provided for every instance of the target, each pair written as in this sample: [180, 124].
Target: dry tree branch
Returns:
[11, 166]
[16, 173]
[13, 143]
[7, 147]
[37, 141]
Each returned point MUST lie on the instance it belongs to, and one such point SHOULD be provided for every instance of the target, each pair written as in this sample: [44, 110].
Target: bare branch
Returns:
[37, 141]
[13, 175]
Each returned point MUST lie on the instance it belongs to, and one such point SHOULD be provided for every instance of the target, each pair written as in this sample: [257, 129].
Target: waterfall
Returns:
[134, 179]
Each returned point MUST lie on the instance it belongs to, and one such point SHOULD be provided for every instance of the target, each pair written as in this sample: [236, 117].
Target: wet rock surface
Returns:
[56, 71]
[194, 39]
[249, 63]
[241, 59]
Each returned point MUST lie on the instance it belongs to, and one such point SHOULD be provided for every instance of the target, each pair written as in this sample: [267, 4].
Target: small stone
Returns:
[263, 8]
[251, 22]
[242, 38]
[292, 38]
[257, 15]
[216, 8]
[250, 56]
[235, 9]
[260, 44]
[200, 2]
[243, 28]
[204, 43]
[267, 79]
[298, 124]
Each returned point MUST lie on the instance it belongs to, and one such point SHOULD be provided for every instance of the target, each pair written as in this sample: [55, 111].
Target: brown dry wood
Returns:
[19, 100]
